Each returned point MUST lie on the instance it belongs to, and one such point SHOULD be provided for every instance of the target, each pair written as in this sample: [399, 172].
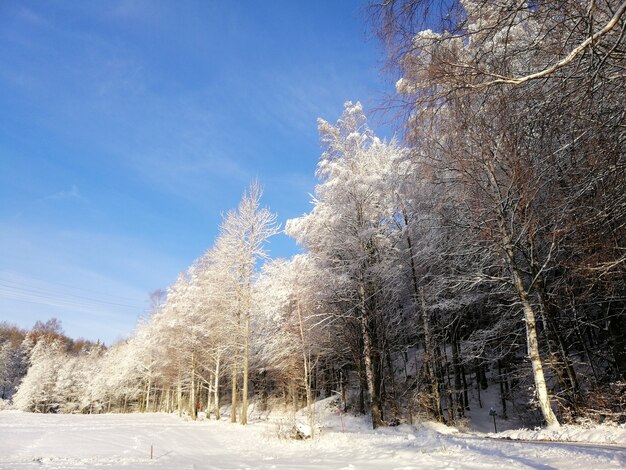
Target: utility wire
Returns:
[53, 285]
[13, 291]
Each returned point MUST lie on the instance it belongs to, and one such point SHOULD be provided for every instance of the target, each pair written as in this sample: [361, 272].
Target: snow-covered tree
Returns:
[36, 391]
[349, 233]
[241, 245]
[289, 337]
[513, 103]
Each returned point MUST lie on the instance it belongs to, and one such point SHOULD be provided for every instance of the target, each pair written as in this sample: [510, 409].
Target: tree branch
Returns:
[567, 60]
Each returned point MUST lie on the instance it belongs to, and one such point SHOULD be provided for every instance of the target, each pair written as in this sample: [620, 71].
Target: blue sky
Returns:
[128, 127]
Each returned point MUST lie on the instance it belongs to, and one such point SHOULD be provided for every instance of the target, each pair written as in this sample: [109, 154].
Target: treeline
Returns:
[19, 348]
[489, 247]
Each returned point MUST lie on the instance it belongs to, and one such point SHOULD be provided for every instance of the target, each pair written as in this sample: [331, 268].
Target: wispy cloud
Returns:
[73, 193]
[30, 16]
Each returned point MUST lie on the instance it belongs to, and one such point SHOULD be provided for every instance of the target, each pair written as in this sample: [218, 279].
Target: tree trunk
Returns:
[209, 398]
[216, 386]
[458, 384]
[465, 394]
[522, 293]
[192, 392]
[246, 365]
[148, 387]
[179, 397]
[418, 293]
[563, 368]
[375, 406]
[293, 390]
[234, 391]
[430, 358]
[533, 351]
[342, 388]
[307, 372]
[503, 388]
[617, 340]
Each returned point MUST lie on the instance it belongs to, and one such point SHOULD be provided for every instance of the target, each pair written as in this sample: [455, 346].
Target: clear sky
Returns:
[128, 127]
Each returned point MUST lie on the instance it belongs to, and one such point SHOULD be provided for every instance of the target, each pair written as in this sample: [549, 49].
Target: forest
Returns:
[482, 248]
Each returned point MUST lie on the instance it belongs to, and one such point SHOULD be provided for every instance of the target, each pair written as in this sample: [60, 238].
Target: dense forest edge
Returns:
[484, 249]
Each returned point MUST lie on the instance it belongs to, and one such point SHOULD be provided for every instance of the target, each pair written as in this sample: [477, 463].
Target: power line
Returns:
[13, 294]
[12, 291]
[70, 287]
[53, 303]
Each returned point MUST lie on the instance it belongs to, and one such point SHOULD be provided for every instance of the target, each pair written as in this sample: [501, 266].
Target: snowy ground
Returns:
[114, 441]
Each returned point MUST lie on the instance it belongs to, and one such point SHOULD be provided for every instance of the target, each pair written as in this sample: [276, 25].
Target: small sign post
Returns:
[494, 413]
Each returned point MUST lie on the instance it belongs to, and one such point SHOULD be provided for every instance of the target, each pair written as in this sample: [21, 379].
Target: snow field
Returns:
[592, 434]
[109, 441]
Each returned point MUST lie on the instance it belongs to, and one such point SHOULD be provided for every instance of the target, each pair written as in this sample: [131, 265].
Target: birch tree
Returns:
[509, 96]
